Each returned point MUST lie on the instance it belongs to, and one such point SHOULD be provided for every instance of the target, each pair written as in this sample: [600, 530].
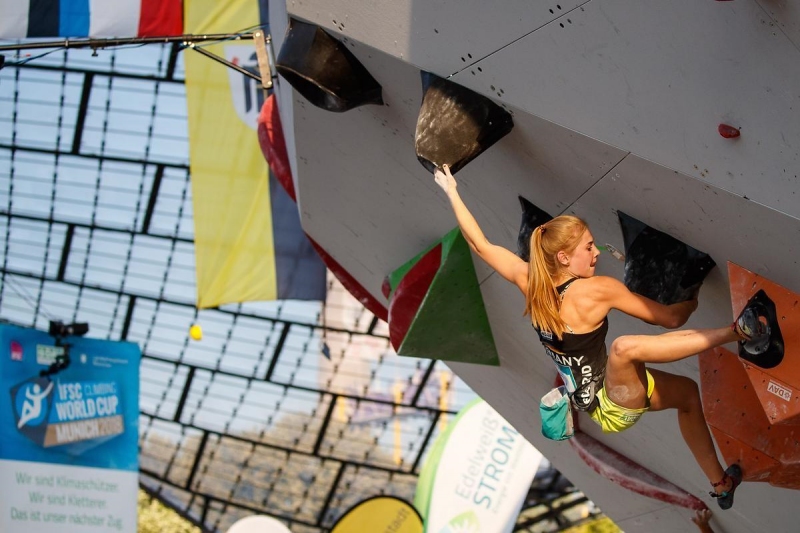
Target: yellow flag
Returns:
[234, 250]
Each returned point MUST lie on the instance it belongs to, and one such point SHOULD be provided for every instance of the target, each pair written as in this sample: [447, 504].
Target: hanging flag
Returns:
[248, 241]
[477, 474]
[273, 146]
[90, 18]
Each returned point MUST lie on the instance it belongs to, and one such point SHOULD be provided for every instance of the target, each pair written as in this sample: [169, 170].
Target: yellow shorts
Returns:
[612, 418]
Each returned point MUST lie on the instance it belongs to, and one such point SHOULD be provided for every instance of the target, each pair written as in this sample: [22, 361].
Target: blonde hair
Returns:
[542, 301]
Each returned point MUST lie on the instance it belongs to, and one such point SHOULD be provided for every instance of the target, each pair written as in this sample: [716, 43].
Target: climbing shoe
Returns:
[725, 499]
[754, 329]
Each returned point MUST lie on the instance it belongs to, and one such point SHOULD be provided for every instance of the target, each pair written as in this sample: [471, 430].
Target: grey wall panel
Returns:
[785, 17]
[706, 218]
[724, 225]
[284, 94]
[363, 195]
[656, 78]
[556, 164]
[362, 188]
[442, 37]
[367, 200]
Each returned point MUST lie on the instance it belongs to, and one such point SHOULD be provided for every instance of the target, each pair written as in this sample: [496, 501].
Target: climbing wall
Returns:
[759, 424]
[617, 106]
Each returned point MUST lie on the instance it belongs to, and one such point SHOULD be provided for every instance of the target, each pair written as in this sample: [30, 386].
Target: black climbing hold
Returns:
[660, 266]
[532, 217]
[455, 124]
[773, 354]
[324, 71]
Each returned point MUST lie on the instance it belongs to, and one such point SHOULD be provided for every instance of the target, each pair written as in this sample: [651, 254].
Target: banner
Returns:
[380, 514]
[477, 474]
[90, 18]
[68, 441]
[249, 244]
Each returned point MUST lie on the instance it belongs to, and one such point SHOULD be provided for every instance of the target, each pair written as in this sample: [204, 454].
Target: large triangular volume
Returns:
[324, 71]
[660, 266]
[436, 309]
[456, 125]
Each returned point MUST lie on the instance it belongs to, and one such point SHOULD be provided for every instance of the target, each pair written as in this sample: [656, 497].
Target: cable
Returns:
[31, 58]
[27, 297]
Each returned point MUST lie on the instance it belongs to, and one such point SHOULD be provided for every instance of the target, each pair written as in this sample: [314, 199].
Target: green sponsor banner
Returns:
[476, 475]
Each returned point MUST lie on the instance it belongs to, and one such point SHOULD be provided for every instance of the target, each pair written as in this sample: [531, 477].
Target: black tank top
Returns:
[580, 359]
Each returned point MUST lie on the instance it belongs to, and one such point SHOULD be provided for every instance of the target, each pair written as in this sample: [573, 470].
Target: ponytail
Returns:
[542, 301]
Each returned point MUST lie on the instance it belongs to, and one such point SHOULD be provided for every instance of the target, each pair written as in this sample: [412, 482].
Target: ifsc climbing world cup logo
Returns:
[31, 401]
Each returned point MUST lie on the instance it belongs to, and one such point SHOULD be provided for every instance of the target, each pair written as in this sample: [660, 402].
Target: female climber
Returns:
[568, 306]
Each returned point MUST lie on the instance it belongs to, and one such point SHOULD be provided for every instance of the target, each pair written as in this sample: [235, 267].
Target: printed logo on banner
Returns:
[75, 413]
[477, 474]
[31, 401]
[466, 522]
[247, 95]
[16, 351]
[46, 355]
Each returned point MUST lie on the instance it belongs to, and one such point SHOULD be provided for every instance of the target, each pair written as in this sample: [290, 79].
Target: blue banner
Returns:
[68, 439]
[91, 405]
